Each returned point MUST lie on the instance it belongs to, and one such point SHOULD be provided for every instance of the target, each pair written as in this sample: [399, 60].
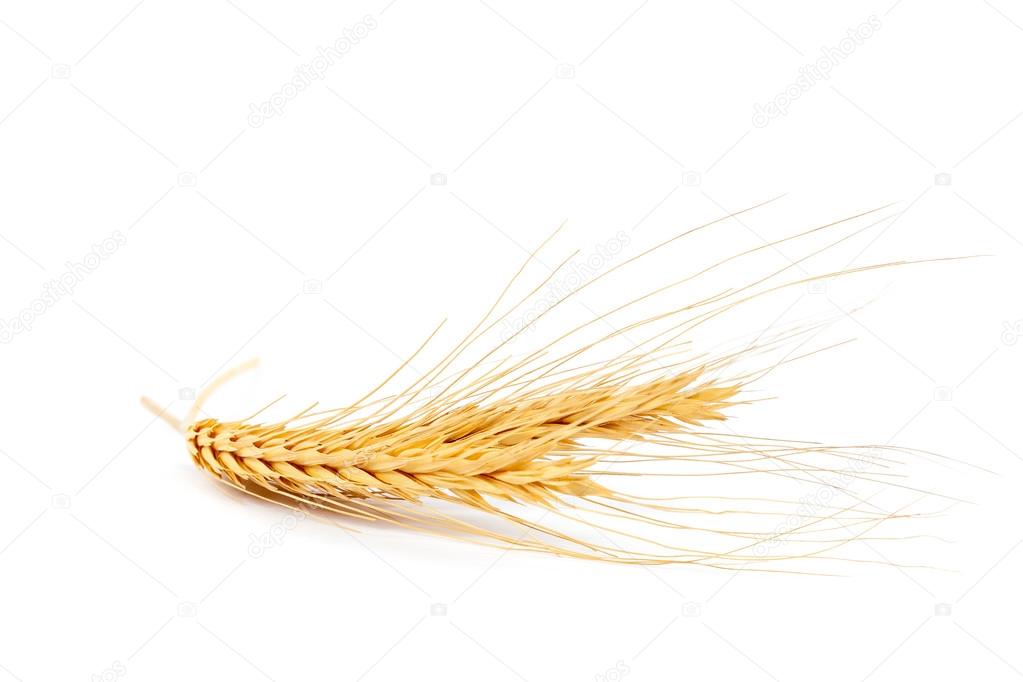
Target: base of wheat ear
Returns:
[559, 452]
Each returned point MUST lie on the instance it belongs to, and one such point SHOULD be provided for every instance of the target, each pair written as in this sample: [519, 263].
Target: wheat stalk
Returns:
[547, 436]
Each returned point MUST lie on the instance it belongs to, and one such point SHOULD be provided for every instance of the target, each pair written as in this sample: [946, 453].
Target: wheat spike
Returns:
[520, 441]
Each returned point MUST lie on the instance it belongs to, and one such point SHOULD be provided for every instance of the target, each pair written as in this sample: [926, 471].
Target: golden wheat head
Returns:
[544, 452]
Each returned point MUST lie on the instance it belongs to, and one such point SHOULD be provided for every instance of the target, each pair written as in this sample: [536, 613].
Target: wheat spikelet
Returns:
[518, 441]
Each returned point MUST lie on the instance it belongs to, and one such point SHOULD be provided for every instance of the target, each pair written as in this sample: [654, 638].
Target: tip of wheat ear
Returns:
[545, 448]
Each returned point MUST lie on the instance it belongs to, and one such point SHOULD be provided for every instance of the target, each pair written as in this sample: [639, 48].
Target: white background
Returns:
[405, 187]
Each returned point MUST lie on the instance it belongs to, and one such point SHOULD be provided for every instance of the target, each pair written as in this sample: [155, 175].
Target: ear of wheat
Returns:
[536, 453]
